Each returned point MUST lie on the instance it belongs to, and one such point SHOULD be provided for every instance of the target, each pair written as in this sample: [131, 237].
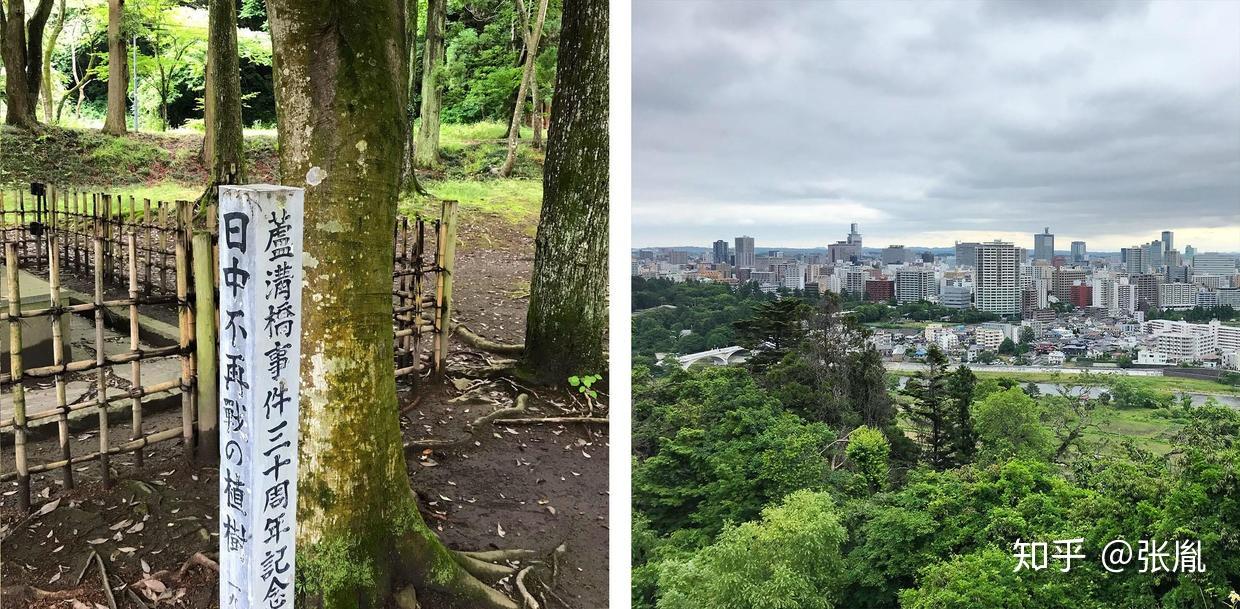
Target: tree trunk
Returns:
[409, 176]
[23, 59]
[426, 147]
[536, 119]
[223, 145]
[532, 37]
[341, 119]
[118, 71]
[568, 293]
[52, 37]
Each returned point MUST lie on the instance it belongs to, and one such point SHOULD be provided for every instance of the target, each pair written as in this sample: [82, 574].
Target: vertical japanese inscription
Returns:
[260, 313]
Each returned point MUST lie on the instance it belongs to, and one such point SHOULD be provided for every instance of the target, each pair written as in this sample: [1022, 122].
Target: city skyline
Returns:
[937, 123]
[1063, 242]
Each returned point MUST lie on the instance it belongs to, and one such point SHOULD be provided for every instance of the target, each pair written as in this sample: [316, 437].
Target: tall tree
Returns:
[567, 316]
[532, 35]
[426, 147]
[22, 44]
[960, 384]
[341, 124]
[57, 27]
[930, 411]
[118, 70]
[409, 175]
[773, 330]
[223, 148]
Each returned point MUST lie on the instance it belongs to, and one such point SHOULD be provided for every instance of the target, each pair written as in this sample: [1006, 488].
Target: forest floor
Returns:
[514, 486]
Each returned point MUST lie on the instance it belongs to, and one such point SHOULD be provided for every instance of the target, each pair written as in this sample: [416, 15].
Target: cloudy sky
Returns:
[929, 123]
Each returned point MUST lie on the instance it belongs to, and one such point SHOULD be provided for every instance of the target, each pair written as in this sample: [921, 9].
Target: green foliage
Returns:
[1126, 393]
[985, 578]
[791, 558]
[773, 331]
[716, 449]
[664, 310]
[932, 414]
[868, 452]
[583, 384]
[1008, 425]
[1197, 314]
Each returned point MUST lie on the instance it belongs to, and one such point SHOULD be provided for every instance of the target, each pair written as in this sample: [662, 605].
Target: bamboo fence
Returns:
[139, 253]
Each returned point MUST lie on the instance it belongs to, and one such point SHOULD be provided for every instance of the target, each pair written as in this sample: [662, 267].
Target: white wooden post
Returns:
[260, 234]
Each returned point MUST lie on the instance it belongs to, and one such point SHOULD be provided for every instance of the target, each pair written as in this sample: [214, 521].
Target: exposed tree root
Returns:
[486, 571]
[423, 443]
[497, 368]
[27, 594]
[198, 559]
[479, 342]
[501, 555]
[528, 600]
[600, 420]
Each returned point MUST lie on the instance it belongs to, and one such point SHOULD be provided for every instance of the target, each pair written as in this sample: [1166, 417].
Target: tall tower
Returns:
[1078, 252]
[998, 278]
[1044, 245]
[721, 252]
[1168, 240]
[744, 252]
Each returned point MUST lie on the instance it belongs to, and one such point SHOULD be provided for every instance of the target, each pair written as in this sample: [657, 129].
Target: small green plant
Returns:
[584, 383]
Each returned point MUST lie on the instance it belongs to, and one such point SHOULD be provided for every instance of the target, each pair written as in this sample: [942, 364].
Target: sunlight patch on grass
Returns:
[517, 201]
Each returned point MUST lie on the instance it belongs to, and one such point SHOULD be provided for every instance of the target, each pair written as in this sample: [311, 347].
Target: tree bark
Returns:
[23, 59]
[409, 176]
[118, 71]
[341, 119]
[568, 293]
[427, 145]
[536, 120]
[52, 37]
[531, 37]
[223, 145]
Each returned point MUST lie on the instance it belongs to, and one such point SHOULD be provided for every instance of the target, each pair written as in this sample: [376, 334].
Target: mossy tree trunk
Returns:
[536, 120]
[427, 145]
[223, 147]
[22, 45]
[568, 293]
[342, 129]
[48, 48]
[531, 36]
[118, 70]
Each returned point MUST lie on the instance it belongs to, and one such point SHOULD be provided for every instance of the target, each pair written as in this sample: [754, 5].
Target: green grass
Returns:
[457, 134]
[1150, 430]
[517, 201]
[1169, 384]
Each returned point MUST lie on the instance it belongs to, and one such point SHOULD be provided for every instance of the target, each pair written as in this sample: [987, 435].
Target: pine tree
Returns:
[931, 411]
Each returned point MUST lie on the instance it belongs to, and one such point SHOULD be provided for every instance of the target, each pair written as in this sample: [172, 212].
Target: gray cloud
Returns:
[1108, 121]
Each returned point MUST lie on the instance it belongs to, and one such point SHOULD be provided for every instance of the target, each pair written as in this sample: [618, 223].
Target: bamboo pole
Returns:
[443, 296]
[171, 387]
[19, 391]
[135, 367]
[58, 358]
[146, 235]
[135, 444]
[207, 387]
[186, 325]
[101, 385]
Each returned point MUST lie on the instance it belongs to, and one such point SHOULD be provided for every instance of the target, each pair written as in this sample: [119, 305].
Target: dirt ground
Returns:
[541, 485]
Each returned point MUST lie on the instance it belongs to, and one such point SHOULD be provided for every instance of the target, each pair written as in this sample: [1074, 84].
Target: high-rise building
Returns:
[744, 253]
[966, 254]
[1134, 259]
[895, 254]
[1177, 295]
[956, 297]
[998, 278]
[1078, 252]
[915, 284]
[848, 250]
[1153, 254]
[721, 252]
[1061, 284]
[1044, 245]
[1147, 291]
[1211, 263]
[880, 290]
[678, 257]
[1189, 252]
[1168, 240]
